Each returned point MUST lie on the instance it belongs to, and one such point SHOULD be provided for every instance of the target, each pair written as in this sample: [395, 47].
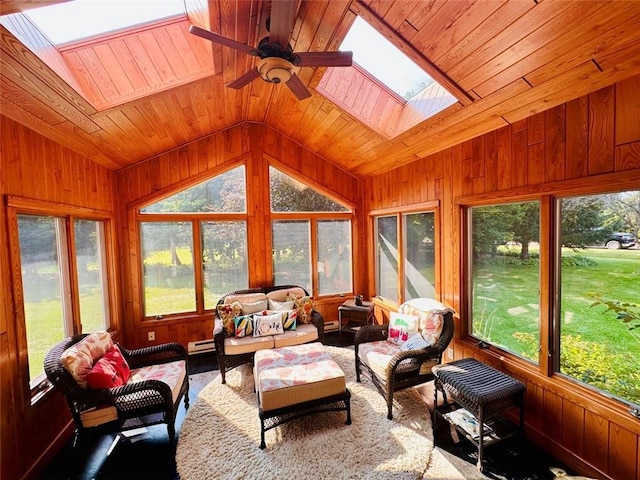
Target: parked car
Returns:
[620, 240]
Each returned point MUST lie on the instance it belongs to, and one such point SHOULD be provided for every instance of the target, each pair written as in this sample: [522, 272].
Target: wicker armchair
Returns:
[404, 369]
[132, 405]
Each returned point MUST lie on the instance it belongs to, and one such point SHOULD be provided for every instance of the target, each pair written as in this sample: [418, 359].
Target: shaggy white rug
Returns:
[220, 436]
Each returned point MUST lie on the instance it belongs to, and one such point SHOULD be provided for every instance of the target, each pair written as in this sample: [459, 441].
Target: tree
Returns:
[582, 221]
[624, 211]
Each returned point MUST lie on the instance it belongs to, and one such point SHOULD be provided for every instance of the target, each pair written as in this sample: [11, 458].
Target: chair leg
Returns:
[390, 405]
[357, 369]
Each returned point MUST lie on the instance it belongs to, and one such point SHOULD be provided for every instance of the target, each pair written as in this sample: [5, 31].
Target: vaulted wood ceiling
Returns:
[137, 95]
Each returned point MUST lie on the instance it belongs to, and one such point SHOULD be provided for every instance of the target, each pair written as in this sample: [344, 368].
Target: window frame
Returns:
[400, 213]
[548, 196]
[195, 219]
[312, 218]
[34, 389]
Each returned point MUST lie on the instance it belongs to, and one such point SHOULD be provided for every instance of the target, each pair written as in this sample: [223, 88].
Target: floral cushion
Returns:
[78, 360]
[401, 326]
[171, 373]
[304, 306]
[430, 313]
[227, 313]
[378, 354]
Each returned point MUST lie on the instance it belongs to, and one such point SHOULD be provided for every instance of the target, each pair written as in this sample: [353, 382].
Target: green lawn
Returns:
[505, 313]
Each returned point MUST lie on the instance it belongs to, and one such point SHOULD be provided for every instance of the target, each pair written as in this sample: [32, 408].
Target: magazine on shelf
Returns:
[465, 420]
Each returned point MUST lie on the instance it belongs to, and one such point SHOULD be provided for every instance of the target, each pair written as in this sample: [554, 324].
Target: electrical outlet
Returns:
[450, 353]
[151, 336]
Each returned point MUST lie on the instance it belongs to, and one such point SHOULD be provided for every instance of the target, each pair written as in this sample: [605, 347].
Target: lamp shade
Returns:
[275, 70]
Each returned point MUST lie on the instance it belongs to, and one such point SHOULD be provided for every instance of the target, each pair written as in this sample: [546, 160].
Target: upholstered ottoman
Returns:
[292, 382]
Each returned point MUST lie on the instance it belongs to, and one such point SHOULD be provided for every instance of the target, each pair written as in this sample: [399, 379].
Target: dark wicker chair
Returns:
[228, 362]
[138, 404]
[403, 371]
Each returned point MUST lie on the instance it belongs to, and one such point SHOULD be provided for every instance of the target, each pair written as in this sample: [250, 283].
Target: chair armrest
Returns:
[164, 353]
[318, 321]
[371, 333]
[218, 340]
[130, 390]
[412, 360]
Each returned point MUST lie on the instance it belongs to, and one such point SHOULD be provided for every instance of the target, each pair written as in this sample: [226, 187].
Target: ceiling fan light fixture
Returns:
[275, 70]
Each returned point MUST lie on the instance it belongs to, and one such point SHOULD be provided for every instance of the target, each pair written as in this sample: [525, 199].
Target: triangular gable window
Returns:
[225, 193]
[290, 195]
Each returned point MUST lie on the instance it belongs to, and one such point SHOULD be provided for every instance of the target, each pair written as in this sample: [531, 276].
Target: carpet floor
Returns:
[219, 437]
[148, 454]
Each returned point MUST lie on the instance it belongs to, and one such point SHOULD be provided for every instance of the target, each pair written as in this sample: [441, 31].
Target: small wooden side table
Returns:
[351, 316]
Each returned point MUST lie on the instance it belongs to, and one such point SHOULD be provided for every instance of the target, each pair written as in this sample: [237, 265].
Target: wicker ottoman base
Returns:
[292, 382]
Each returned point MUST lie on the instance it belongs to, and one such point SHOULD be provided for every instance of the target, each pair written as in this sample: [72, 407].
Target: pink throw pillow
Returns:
[103, 375]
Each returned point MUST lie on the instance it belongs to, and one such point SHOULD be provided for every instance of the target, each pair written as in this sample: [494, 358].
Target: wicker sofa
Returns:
[232, 351]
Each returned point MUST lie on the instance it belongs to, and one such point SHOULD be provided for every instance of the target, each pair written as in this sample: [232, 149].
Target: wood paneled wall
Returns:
[34, 167]
[575, 147]
[255, 146]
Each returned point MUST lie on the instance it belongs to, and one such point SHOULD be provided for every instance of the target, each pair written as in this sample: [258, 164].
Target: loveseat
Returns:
[263, 318]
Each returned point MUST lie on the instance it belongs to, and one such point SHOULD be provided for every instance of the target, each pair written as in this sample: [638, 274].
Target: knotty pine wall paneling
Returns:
[35, 168]
[255, 146]
[588, 144]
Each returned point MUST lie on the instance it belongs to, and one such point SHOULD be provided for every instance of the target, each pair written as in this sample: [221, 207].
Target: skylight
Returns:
[384, 60]
[79, 19]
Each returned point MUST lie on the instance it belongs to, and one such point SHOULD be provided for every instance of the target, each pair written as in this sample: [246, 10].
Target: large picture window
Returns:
[405, 254]
[505, 276]
[63, 285]
[194, 246]
[599, 311]
[311, 237]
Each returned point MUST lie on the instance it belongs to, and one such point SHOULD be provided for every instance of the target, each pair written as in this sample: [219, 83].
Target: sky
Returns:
[69, 21]
[382, 59]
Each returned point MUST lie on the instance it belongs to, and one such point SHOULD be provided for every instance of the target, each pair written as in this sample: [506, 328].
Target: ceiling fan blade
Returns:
[244, 79]
[298, 88]
[325, 59]
[214, 37]
[283, 16]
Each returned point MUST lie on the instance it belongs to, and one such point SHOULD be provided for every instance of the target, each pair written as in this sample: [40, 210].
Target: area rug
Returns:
[220, 436]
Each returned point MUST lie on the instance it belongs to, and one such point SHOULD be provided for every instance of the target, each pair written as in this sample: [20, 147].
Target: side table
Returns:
[484, 392]
[352, 316]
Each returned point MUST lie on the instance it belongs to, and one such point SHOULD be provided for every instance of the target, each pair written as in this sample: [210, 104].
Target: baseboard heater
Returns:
[202, 346]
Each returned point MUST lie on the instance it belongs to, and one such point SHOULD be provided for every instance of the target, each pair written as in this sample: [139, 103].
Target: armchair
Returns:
[391, 368]
[159, 380]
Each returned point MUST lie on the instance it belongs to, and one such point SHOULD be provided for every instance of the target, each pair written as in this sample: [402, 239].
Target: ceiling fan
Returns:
[277, 58]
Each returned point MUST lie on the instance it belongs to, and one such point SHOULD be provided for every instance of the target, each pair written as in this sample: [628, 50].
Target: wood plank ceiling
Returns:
[124, 98]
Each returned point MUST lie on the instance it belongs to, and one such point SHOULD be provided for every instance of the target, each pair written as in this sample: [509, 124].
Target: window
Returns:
[63, 284]
[70, 21]
[191, 261]
[505, 276]
[599, 281]
[167, 252]
[377, 55]
[387, 262]
[405, 256]
[419, 258]
[311, 237]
